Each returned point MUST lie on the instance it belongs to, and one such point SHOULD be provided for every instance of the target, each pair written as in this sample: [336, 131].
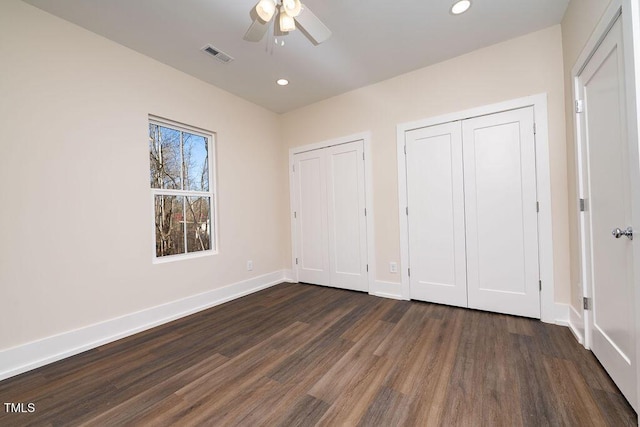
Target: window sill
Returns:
[181, 257]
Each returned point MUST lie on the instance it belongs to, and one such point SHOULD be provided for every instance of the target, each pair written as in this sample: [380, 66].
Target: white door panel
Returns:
[311, 221]
[347, 225]
[436, 220]
[500, 212]
[607, 185]
[331, 238]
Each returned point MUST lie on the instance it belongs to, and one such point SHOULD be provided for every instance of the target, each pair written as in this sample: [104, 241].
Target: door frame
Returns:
[365, 137]
[549, 313]
[628, 11]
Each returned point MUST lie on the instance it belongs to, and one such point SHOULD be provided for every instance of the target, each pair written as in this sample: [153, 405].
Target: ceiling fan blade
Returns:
[312, 26]
[256, 31]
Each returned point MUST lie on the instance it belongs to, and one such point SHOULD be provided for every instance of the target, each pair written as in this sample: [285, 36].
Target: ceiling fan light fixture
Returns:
[265, 9]
[293, 7]
[282, 82]
[461, 6]
[286, 21]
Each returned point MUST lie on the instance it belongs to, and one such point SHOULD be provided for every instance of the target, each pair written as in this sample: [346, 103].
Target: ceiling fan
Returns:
[287, 13]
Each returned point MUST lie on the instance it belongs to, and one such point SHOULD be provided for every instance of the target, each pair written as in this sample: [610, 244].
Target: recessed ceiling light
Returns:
[460, 6]
[282, 82]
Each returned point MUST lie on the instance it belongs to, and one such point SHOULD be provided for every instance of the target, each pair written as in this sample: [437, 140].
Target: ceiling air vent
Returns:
[217, 53]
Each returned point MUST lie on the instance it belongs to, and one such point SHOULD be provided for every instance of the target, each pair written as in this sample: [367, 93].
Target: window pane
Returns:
[196, 162]
[198, 224]
[169, 212]
[153, 156]
[165, 157]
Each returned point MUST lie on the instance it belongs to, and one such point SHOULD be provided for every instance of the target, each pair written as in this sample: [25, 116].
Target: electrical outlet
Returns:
[393, 267]
[249, 265]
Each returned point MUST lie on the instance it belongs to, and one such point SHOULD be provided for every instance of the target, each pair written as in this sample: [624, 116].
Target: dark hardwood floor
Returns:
[298, 355]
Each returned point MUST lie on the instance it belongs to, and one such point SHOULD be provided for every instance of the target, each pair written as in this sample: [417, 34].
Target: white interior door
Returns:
[330, 221]
[436, 221]
[346, 216]
[607, 186]
[311, 217]
[501, 213]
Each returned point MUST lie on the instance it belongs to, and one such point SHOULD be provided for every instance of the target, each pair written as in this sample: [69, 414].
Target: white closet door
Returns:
[501, 215]
[311, 217]
[346, 216]
[436, 214]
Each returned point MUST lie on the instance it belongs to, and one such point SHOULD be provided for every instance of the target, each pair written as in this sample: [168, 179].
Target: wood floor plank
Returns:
[306, 412]
[352, 404]
[351, 367]
[571, 388]
[410, 326]
[303, 355]
[538, 405]
[388, 408]
[135, 409]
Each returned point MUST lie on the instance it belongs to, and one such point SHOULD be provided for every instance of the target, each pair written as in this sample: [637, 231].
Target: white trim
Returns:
[574, 318]
[562, 314]
[401, 141]
[387, 290]
[288, 276]
[543, 181]
[26, 357]
[365, 137]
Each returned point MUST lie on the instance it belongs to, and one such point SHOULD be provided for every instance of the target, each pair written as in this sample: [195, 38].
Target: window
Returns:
[181, 178]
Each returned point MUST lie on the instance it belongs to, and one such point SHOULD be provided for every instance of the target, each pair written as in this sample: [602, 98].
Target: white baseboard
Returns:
[387, 290]
[575, 319]
[564, 314]
[26, 357]
[289, 277]
[561, 314]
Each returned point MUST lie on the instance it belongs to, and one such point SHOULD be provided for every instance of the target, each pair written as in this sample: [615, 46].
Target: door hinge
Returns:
[295, 215]
[586, 303]
[534, 129]
[540, 284]
[362, 156]
[537, 206]
[405, 149]
[582, 205]
[407, 210]
[367, 267]
[293, 168]
[579, 106]
[296, 261]
[409, 272]
[365, 211]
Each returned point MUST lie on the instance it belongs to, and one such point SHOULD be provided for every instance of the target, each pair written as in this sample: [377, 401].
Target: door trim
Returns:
[365, 137]
[548, 311]
[629, 12]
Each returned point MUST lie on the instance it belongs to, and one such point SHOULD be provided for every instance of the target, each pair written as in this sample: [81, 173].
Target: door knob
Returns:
[618, 233]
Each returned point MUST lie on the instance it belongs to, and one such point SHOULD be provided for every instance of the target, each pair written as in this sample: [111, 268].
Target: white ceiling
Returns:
[372, 40]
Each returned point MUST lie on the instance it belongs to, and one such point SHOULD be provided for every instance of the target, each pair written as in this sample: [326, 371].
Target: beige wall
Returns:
[520, 67]
[579, 21]
[75, 246]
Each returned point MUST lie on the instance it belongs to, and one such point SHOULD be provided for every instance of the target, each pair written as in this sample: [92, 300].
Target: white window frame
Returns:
[212, 193]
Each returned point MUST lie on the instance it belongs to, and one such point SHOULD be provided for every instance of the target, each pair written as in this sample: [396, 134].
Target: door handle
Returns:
[618, 233]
